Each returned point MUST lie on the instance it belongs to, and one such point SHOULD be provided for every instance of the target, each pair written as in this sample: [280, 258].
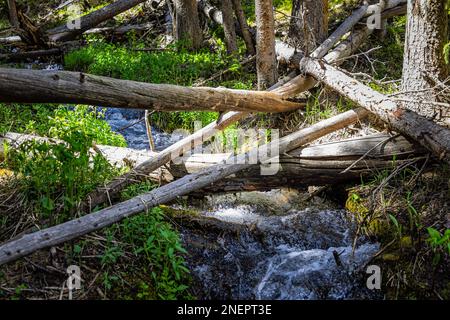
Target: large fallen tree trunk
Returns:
[26, 244]
[285, 87]
[47, 86]
[427, 133]
[72, 29]
[322, 164]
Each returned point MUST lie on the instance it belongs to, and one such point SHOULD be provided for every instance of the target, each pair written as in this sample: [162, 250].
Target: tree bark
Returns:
[187, 24]
[245, 29]
[27, 244]
[425, 132]
[228, 27]
[69, 30]
[266, 60]
[44, 86]
[424, 67]
[323, 164]
[309, 24]
[13, 18]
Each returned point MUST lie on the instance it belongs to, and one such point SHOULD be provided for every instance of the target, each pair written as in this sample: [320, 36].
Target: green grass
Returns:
[158, 269]
[171, 67]
[55, 121]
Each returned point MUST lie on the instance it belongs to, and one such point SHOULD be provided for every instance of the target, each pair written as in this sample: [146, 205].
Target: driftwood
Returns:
[429, 134]
[26, 244]
[47, 86]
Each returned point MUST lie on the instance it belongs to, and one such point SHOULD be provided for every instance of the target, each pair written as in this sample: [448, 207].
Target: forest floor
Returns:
[405, 208]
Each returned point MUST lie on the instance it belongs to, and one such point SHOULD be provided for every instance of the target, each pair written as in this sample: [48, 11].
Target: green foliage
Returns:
[157, 247]
[440, 243]
[59, 175]
[390, 56]
[447, 53]
[171, 66]
[58, 121]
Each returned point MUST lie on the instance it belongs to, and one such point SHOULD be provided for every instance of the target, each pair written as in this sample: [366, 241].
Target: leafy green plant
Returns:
[159, 245]
[397, 225]
[59, 175]
[440, 243]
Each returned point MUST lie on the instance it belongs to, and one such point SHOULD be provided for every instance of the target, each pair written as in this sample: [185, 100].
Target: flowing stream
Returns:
[264, 245]
[246, 252]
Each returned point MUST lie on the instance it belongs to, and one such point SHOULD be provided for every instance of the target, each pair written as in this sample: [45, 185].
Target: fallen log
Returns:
[425, 132]
[322, 164]
[28, 243]
[48, 86]
[72, 29]
[20, 56]
[286, 87]
[117, 156]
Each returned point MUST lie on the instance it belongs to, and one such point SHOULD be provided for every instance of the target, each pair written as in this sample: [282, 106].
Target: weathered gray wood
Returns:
[323, 164]
[26, 244]
[48, 86]
[345, 27]
[64, 33]
[427, 133]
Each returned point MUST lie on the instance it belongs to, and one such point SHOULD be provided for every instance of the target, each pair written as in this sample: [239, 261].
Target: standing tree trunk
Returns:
[187, 24]
[13, 18]
[266, 60]
[424, 67]
[246, 35]
[309, 24]
[228, 27]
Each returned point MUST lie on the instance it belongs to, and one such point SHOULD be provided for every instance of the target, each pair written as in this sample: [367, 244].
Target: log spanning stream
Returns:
[264, 245]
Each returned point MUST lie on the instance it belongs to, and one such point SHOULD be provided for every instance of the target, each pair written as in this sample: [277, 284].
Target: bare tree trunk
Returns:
[13, 18]
[266, 60]
[309, 24]
[228, 27]
[424, 67]
[187, 24]
[245, 29]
